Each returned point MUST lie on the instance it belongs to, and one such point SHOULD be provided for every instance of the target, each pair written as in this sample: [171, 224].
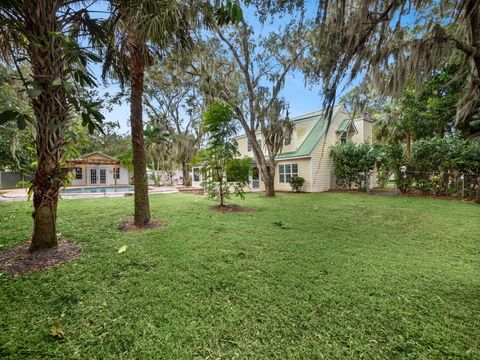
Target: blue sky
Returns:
[300, 97]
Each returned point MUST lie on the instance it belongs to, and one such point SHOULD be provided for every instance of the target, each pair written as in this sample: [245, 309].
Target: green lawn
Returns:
[353, 276]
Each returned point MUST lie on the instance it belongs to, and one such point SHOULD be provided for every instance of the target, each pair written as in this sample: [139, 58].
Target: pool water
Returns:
[107, 189]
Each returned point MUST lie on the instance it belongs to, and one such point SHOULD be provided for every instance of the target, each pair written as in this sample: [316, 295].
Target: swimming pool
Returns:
[93, 190]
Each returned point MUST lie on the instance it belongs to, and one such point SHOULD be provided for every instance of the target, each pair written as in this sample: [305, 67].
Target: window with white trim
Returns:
[116, 173]
[286, 171]
[288, 140]
[78, 174]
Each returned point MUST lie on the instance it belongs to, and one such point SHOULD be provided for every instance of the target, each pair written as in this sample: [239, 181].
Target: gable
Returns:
[97, 156]
[313, 137]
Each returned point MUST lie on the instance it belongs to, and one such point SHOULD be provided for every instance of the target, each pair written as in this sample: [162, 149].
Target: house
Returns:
[97, 169]
[307, 152]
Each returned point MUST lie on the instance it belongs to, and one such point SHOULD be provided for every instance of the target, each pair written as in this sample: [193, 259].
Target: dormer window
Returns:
[343, 139]
[288, 140]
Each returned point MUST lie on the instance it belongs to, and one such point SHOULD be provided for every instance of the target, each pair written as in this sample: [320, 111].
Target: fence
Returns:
[9, 179]
[454, 184]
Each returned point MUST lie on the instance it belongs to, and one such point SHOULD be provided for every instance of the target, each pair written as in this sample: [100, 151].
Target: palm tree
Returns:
[158, 140]
[135, 25]
[44, 35]
[184, 149]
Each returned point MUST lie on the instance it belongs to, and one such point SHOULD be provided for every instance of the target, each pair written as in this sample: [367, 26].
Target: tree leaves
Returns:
[122, 249]
[229, 13]
[13, 115]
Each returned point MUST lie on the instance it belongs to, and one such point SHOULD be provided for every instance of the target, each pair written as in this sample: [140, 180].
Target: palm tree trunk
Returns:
[50, 108]
[142, 206]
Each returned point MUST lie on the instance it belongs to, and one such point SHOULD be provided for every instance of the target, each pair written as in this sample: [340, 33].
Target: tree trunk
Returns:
[142, 206]
[477, 197]
[408, 148]
[50, 108]
[268, 179]
[187, 181]
[265, 170]
[446, 181]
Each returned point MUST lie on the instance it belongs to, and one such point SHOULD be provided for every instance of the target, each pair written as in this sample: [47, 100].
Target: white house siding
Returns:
[110, 181]
[365, 131]
[304, 170]
[321, 162]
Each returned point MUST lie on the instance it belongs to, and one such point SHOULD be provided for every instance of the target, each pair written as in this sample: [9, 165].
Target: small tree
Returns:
[219, 156]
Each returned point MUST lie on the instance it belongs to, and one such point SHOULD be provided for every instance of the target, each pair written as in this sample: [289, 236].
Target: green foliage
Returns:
[296, 182]
[238, 170]
[126, 159]
[436, 165]
[229, 13]
[219, 156]
[352, 163]
[17, 152]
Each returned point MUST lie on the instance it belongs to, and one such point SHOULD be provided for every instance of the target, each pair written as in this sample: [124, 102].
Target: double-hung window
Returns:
[286, 171]
[116, 173]
[78, 174]
[288, 140]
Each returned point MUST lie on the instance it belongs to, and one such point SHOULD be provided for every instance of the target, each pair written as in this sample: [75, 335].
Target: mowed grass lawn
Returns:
[351, 277]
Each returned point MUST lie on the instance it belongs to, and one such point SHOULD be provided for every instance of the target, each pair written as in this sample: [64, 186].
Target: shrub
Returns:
[296, 182]
[352, 163]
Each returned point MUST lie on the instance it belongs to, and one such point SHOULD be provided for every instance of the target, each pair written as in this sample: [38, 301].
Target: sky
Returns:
[301, 98]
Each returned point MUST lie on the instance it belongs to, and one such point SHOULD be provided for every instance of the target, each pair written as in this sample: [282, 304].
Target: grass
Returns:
[347, 277]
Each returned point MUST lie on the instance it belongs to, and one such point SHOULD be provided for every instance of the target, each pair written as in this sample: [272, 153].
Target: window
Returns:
[286, 171]
[343, 139]
[93, 176]
[288, 140]
[196, 174]
[116, 173]
[103, 176]
[78, 174]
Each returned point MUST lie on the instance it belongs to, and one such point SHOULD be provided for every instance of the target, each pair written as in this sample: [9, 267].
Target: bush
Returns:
[352, 163]
[296, 182]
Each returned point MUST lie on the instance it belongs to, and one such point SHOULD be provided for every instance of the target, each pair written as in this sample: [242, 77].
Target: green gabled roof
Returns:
[313, 137]
[343, 125]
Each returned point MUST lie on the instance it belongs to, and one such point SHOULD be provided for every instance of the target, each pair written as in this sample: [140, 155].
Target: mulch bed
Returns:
[231, 208]
[130, 226]
[19, 260]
